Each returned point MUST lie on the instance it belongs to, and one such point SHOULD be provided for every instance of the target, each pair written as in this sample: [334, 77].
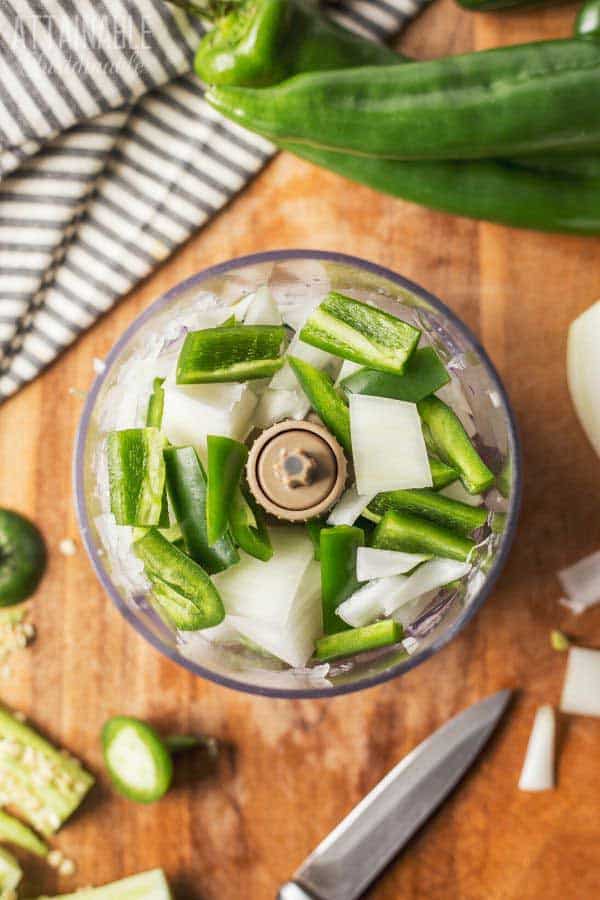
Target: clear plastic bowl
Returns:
[299, 277]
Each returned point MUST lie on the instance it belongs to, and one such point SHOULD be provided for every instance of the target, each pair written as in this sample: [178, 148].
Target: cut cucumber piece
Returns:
[226, 461]
[156, 404]
[362, 333]
[146, 886]
[22, 558]
[430, 505]
[43, 784]
[325, 399]
[187, 487]
[238, 353]
[10, 874]
[137, 760]
[15, 832]
[183, 590]
[453, 445]
[136, 471]
[424, 375]
[412, 534]
[358, 640]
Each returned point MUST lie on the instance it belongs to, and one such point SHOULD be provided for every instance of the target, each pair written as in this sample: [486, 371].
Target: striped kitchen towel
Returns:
[109, 158]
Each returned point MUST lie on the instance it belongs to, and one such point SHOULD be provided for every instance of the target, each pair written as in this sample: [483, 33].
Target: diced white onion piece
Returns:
[349, 367]
[367, 604]
[265, 591]
[373, 563]
[410, 612]
[292, 638]
[348, 509]
[298, 287]
[285, 380]
[241, 307]
[583, 371]
[433, 574]
[223, 633]
[275, 406]
[117, 541]
[456, 491]
[581, 688]
[388, 448]
[537, 773]
[193, 411]
[263, 309]
[581, 583]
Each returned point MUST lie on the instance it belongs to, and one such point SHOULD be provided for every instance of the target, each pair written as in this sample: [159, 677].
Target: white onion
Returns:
[583, 371]
[581, 688]
[348, 509]
[537, 773]
[433, 574]
[373, 563]
[457, 491]
[367, 604]
[581, 583]
[263, 309]
[388, 448]
[349, 367]
[275, 406]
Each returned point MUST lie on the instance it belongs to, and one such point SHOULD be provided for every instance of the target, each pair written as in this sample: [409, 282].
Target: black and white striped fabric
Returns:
[109, 158]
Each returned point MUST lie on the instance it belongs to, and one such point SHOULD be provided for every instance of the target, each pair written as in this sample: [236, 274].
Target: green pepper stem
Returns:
[212, 10]
[178, 743]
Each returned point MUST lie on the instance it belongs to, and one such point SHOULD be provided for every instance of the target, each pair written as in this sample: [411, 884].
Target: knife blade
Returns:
[356, 851]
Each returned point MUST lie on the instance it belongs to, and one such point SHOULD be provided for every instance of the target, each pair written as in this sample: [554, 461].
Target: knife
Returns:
[351, 857]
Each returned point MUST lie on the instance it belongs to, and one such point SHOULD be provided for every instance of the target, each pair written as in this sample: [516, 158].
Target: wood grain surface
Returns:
[291, 770]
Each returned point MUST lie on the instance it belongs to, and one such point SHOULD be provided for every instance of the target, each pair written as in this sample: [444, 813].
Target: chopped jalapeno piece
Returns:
[136, 471]
[235, 353]
[358, 640]
[327, 402]
[424, 374]
[338, 546]
[226, 461]
[412, 534]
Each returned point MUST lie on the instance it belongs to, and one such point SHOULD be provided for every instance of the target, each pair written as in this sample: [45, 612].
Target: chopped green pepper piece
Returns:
[358, 640]
[183, 591]
[44, 785]
[226, 461]
[237, 353]
[453, 445]
[15, 832]
[22, 558]
[424, 374]
[326, 401]
[137, 760]
[249, 528]
[559, 641]
[422, 502]
[361, 333]
[229, 322]
[186, 483]
[136, 471]
[156, 404]
[314, 528]
[402, 531]
[338, 548]
[441, 474]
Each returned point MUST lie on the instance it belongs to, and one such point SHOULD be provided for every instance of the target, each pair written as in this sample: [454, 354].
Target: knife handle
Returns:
[293, 891]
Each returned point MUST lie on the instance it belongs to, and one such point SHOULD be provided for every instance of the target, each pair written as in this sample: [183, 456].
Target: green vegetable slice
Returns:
[347, 643]
[362, 333]
[136, 471]
[412, 534]
[44, 785]
[450, 513]
[137, 760]
[453, 445]
[325, 399]
[10, 874]
[150, 885]
[156, 404]
[15, 832]
[441, 474]
[249, 528]
[226, 461]
[22, 558]
[183, 591]
[424, 374]
[338, 546]
[187, 487]
[236, 353]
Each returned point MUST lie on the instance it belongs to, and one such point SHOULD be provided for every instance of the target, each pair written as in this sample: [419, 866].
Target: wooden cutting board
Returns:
[291, 770]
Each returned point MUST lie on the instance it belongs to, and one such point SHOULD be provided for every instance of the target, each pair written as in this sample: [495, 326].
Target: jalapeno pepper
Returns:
[424, 374]
[248, 527]
[447, 512]
[22, 558]
[359, 640]
[186, 483]
[413, 534]
[136, 471]
[156, 404]
[326, 401]
[226, 460]
[337, 551]
[587, 23]
[237, 353]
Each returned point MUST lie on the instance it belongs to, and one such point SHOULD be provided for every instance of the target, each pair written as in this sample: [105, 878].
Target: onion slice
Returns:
[583, 371]
[347, 511]
[388, 448]
[373, 563]
[456, 491]
[434, 574]
[581, 688]
[537, 773]
[263, 309]
[367, 604]
[581, 583]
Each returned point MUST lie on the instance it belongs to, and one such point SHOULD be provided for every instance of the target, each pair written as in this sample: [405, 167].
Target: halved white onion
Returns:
[537, 773]
[583, 371]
